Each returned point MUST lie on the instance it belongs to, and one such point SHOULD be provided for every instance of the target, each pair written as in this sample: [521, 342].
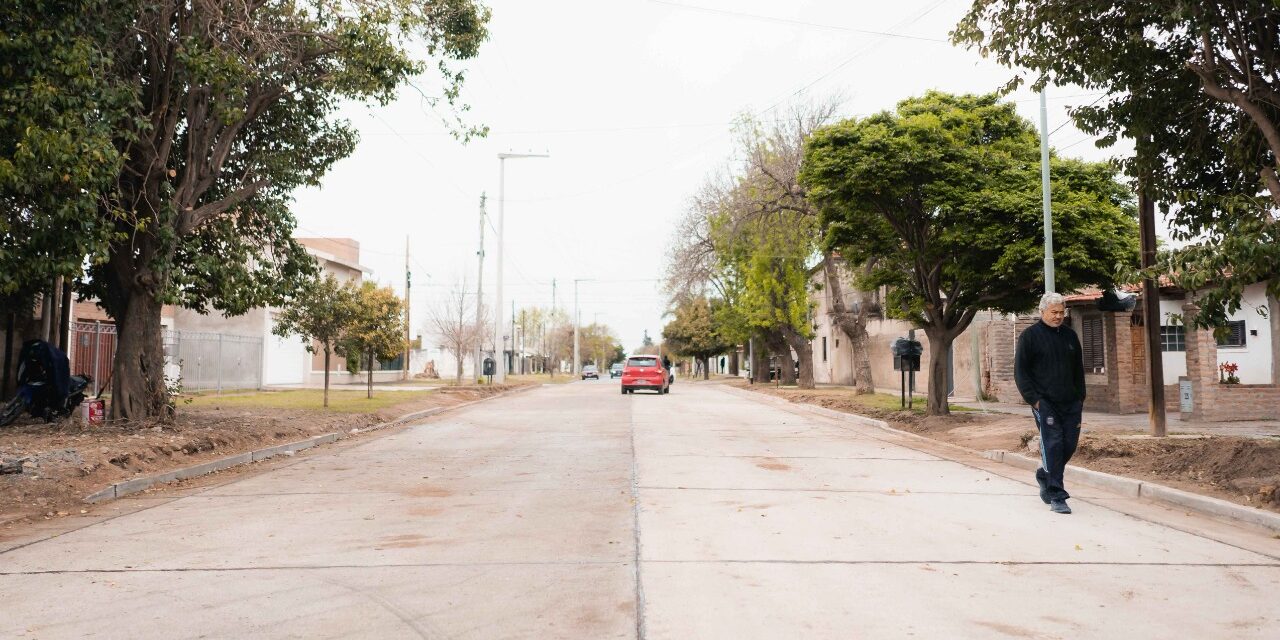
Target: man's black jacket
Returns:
[1048, 364]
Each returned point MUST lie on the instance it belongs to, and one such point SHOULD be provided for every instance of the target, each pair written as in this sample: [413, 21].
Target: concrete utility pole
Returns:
[407, 330]
[551, 347]
[479, 352]
[1049, 284]
[577, 359]
[500, 374]
[1151, 313]
[513, 336]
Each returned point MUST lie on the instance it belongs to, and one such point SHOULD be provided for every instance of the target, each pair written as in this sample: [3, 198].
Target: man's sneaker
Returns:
[1059, 506]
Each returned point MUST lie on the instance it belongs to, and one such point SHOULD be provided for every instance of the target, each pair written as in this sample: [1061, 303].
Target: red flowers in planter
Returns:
[1227, 373]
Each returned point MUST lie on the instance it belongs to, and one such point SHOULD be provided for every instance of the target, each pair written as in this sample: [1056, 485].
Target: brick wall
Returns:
[1217, 402]
[1000, 341]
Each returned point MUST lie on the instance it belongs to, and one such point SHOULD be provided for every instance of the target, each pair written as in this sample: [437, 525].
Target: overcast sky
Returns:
[634, 100]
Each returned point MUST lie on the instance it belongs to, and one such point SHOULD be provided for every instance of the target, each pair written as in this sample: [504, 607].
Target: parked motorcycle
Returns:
[46, 388]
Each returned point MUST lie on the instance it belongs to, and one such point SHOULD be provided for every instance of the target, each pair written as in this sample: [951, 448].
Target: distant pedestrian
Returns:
[1049, 370]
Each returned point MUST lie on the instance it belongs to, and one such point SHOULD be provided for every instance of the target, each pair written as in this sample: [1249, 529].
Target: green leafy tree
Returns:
[944, 193]
[693, 332]
[322, 313]
[775, 300]
[228, 107]
[376, 327]
[56, 151]
[1193, 84]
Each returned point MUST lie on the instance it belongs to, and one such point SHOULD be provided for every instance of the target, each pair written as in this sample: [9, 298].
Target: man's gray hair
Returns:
[1049, 299]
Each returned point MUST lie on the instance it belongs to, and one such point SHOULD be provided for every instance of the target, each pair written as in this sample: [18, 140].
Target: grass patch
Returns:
[339, 401]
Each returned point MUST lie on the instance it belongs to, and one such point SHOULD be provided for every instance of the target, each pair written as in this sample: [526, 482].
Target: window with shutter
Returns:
[1235, 336]
[1092, 345]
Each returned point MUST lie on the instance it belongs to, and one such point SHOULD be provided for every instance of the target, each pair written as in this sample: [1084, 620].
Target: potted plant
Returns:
[1227, 373]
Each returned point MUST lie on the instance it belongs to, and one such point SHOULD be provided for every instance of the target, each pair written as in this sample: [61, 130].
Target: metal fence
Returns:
[202, 361]
[208, 361]
[93, 348]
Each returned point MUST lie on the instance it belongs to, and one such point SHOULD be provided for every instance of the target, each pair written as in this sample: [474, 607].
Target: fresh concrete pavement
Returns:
[523, 518]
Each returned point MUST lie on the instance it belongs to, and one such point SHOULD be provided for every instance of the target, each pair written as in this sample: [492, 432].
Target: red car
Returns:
[645, 372]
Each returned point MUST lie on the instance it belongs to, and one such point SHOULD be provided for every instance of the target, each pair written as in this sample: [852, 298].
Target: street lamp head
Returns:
[512, 154]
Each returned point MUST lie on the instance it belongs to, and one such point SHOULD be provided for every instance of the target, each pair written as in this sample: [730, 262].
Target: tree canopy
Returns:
[693, 332]
[208, 114]
[1194, 86]
[944, 193]
[322, 313]
[56, 153]
[376, 327]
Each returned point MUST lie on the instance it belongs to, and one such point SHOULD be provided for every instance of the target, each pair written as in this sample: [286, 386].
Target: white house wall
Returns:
[1254, 358]
[285, 361]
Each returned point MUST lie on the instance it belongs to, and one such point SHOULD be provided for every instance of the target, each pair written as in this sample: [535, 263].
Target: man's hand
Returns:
[1036, 406]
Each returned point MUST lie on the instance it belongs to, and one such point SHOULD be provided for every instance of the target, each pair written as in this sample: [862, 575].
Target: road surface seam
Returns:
[635, 524]
[592, 563]
[882, 492]
[343, 567]
[1089, 563]
[887, 438]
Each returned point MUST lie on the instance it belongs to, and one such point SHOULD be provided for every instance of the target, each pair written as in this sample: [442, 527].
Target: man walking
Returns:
[1049, 370]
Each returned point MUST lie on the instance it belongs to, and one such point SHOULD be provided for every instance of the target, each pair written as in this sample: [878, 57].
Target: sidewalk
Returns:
[1137, 423]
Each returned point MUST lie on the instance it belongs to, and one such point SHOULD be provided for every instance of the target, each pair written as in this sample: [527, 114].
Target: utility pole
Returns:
[577, 367]
[479, 356]
[550, 345]
[407, 331]
[500, 376]
[513, 336]
[1049, 284]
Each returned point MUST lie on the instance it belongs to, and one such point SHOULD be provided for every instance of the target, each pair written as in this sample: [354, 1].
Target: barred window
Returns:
[1236, 335]
[1091, 344]
[1173, 338]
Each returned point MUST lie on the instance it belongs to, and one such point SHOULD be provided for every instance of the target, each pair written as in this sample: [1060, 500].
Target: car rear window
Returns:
[642, 362]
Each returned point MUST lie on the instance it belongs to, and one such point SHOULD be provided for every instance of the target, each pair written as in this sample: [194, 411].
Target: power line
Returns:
[799, 23]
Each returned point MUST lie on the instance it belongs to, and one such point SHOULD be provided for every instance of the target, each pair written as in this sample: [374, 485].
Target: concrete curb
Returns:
[135, 485]
[1128, 487]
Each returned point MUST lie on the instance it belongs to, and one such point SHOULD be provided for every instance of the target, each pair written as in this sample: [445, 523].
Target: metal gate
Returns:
[93, 349]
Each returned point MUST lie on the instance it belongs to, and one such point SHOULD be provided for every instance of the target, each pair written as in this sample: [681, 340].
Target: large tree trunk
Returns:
[1273, 310]
[804, 353]
[8, 355]
[137, 374]
[326, 375]
[853, 323]
[733, 362]
[939, 347]
[458, 377]
[706, 368]
[786, 365]
[369, 387]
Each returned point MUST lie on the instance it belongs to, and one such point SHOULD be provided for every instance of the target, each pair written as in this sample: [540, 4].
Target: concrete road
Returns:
[523, 518]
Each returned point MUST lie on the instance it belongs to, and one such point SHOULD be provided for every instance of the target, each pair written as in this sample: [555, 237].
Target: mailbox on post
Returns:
[906, 354]
[906, 359]
[489, 369]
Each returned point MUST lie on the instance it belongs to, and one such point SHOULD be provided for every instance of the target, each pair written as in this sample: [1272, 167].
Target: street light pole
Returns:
[577, 320]
[1049, 284]
[478, 356]
[500, 374]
